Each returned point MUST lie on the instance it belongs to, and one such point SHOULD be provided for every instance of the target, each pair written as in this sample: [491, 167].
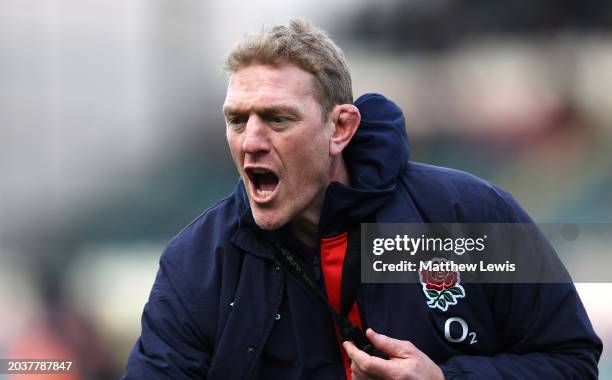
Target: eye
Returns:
[235, 122]
[278, 120]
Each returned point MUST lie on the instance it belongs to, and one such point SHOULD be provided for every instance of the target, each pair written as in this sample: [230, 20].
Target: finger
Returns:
[370, 365]
[353, 352]
[395, 348]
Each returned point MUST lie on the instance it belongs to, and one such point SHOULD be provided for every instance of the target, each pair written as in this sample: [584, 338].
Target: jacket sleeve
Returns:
[546, 334]
[544, 329]
[171, 345]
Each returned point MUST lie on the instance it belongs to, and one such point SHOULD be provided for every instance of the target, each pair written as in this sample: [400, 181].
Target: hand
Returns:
[406, 362]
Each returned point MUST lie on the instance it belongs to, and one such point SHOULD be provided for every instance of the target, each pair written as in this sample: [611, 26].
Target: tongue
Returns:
[267, 182]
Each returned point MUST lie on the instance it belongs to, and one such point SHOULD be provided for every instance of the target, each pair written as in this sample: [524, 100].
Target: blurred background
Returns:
[112, 137]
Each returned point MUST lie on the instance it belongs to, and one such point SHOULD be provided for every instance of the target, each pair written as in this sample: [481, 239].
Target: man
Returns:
[313, 166]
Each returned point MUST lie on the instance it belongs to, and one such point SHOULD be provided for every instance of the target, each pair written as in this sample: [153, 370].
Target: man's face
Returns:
[279, 142]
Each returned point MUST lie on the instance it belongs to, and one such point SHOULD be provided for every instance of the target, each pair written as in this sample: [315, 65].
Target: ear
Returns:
[345, 119]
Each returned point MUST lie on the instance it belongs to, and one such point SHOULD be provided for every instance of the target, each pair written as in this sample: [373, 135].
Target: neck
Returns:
[306, 228]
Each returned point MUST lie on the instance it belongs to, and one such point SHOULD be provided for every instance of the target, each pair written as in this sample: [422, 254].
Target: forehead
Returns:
[285, 83]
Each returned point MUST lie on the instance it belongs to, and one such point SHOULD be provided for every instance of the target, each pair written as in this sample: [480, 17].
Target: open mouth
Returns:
[264, 183]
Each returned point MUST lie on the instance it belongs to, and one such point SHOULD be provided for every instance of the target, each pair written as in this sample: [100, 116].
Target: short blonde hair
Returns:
[305, 46]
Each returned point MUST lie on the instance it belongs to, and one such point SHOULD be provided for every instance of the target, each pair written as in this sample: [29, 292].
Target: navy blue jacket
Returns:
[223, 308]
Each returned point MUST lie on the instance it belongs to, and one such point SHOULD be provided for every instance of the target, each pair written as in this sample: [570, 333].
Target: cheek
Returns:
[309, 157]
[235, 145]
[313, 146]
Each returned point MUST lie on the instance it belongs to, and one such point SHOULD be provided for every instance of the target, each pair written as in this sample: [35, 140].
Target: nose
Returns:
[256, 139]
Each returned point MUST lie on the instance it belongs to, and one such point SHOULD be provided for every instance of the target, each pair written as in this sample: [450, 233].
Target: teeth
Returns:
[264, 193]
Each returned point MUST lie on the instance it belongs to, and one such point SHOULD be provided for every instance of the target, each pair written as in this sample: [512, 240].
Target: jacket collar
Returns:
[375, 157]
[248, 236]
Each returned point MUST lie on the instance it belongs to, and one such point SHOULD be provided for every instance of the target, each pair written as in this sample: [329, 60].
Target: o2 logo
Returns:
[464, 331]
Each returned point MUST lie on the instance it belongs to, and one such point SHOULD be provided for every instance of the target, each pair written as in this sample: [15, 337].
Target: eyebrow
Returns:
[265, 110]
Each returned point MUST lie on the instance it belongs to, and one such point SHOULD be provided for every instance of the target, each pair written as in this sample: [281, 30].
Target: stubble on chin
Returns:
[266, 222]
